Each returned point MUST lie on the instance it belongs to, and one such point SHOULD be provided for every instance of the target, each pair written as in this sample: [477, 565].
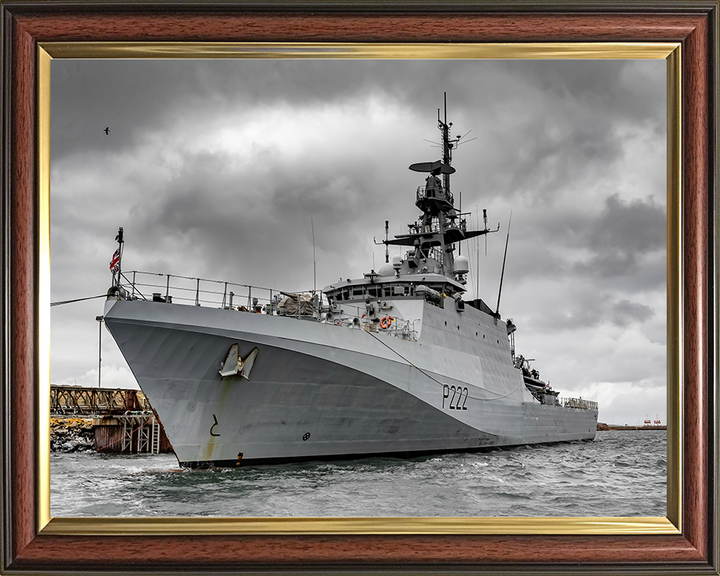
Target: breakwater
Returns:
[603, 426]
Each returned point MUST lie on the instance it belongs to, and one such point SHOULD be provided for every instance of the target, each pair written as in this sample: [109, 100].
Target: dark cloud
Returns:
[585, 306]
[136, 96]
[623, 313]
[559, 124]
[229, 215]
[129, 97]
[637, 97]
[623, 234]
[621, 244]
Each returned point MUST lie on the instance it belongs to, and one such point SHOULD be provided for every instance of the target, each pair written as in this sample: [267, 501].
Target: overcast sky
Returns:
[216, 168]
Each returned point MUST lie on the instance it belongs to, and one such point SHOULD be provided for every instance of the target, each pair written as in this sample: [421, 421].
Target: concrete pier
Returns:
[138, 432]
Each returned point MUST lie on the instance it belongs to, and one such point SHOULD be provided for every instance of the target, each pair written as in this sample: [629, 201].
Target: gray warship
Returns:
[396, 363]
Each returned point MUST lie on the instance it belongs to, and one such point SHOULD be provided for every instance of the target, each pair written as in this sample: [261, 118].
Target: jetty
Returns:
[104, 420]
[603, 426]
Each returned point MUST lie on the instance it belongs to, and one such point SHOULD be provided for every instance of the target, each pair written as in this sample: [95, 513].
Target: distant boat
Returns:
[396, 362]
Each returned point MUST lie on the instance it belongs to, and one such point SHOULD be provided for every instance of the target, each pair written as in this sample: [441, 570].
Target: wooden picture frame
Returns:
[687, 541]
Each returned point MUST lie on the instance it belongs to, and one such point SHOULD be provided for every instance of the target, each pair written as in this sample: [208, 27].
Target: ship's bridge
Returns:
[376, 286]
[393, 304]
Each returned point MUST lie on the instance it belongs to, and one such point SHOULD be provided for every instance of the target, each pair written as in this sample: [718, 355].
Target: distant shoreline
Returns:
[603, 426]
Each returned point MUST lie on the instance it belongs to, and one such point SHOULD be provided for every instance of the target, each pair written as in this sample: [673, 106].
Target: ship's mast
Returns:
[448, 258]
[441, 225]
[447, 146]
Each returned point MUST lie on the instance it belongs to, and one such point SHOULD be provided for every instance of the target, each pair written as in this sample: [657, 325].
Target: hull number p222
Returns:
[456, 396]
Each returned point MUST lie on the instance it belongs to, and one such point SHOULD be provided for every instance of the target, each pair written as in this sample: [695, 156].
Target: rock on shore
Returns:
[71, 435]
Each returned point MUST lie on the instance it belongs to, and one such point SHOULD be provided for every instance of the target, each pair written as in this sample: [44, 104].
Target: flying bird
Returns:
[107, 130]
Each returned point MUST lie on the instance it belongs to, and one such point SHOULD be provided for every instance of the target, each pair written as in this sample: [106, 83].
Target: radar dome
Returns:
[386, 270]
[462, 265]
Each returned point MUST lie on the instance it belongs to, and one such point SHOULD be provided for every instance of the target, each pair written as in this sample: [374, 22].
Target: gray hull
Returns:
[318, 390]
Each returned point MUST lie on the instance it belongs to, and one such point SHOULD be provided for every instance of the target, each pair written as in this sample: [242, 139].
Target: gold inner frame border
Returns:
[669, 51]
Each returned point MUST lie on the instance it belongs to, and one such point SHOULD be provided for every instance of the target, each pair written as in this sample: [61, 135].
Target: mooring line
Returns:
[438, 381]
[77, 300]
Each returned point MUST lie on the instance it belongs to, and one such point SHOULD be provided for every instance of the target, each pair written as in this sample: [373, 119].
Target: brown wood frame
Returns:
[25, 549]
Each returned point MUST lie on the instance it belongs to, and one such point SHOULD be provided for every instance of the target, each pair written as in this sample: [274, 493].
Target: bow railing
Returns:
[176, 289]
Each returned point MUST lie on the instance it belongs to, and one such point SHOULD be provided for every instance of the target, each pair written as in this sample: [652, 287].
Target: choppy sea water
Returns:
[620, 473]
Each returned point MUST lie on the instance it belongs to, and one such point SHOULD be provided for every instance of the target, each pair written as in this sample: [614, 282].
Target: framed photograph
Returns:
[34, 35]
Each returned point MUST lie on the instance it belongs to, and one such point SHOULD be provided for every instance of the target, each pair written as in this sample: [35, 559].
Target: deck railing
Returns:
[176, 289]
[578, 403]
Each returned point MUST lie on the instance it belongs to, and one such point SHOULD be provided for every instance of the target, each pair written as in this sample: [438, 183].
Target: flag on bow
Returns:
[115, 262]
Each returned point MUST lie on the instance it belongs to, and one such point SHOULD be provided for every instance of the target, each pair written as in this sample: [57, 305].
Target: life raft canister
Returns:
[385, 322]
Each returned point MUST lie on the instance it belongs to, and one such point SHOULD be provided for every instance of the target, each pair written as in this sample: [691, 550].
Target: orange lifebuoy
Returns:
[385, 322]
